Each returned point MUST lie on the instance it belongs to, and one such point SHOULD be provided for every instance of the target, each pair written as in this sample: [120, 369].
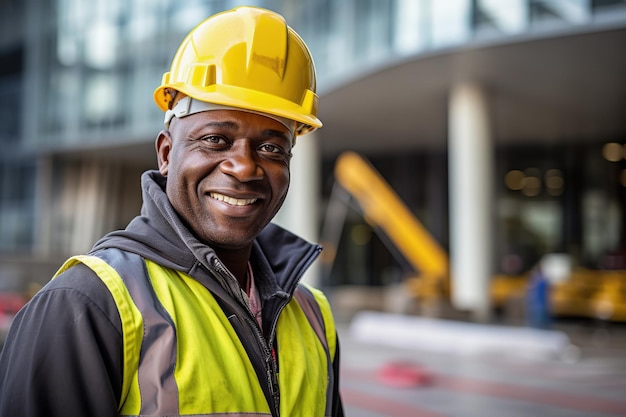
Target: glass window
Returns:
[559, 11]
[372, 27]
[601, 223]
[60, 107]
[185, 18]
[609, 8]
[410, 22]
[508, 17]
[10, 94]
[141, 26]
[10, 99]
[12, 21]
[17, 204]
[326, 29]
[102, 93]
[101, 44]
[450, 22]
[601, 4]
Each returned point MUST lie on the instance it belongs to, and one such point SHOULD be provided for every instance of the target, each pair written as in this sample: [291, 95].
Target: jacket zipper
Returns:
[270, 364]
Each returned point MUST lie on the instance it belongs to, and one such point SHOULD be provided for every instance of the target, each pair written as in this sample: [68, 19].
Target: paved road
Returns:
[588, 381]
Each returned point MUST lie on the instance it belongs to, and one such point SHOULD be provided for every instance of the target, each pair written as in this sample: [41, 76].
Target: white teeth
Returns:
[233, 201]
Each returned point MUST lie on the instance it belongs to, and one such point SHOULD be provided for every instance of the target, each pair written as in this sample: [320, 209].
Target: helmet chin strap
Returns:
[188, 105]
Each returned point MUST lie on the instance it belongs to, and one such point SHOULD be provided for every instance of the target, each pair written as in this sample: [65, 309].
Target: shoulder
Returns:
[77, 291]
[318, 295]
[318, 310]
[67, 335]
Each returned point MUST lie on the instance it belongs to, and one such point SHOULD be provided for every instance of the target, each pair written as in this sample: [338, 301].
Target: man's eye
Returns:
[216, 139]
[268, 147]
[274, 152]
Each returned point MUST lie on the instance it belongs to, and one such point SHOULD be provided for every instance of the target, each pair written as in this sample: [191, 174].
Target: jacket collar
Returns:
[278, 256]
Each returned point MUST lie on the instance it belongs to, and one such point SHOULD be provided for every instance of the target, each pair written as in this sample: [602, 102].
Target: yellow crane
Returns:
[383, 209]
[597, 294]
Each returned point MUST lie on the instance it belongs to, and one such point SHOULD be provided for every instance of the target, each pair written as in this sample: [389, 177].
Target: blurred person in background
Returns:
[196, 307]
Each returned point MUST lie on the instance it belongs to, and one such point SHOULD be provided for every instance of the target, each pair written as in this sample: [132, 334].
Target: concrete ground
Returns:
[400, 368]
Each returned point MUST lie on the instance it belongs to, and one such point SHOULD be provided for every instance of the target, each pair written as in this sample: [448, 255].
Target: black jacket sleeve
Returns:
[63, 355]
[337, 403]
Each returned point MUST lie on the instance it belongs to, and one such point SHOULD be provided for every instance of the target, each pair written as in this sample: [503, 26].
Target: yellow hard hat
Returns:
[246, 58]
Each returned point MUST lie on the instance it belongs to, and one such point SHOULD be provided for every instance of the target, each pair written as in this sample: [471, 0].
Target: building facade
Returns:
[499, 123]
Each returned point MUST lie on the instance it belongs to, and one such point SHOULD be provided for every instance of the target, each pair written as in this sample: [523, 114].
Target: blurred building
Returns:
[500, 123]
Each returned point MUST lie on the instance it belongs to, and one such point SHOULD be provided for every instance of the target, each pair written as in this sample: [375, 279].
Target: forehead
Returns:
[233, 120]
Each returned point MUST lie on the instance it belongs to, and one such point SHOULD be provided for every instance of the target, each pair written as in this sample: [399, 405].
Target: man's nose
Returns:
[242, 164]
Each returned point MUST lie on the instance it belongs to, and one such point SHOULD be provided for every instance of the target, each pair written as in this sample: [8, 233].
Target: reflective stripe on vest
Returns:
[182, 355]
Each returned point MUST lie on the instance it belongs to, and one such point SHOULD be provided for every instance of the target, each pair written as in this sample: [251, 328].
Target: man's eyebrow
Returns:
[272, 133]
[213, 124]
[267, 133]
[223, 124]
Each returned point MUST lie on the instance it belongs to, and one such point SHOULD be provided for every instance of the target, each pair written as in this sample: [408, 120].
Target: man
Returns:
[196, 307]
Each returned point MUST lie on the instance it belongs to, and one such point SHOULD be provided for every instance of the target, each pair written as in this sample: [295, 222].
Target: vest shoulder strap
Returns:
[317, 310]
[130, 316]
[312, 311]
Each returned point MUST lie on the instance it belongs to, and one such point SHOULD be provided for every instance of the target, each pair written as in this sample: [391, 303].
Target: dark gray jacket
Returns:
[62, 356]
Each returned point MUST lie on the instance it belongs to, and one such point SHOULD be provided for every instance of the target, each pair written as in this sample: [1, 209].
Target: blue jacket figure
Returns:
[538, 300]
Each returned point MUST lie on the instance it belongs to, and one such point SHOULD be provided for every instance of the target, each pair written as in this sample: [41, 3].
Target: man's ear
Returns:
[163, 148]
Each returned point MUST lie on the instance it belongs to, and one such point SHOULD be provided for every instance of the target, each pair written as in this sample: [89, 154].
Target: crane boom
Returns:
[383, 209]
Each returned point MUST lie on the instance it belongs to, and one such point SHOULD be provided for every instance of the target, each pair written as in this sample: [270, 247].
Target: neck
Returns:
[237, 263]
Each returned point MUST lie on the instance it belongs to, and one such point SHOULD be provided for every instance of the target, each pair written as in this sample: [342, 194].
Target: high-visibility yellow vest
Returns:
[182, 355]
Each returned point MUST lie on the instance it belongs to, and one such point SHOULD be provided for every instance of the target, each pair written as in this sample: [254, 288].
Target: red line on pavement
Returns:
[533, 395]
[387, 407]
[546, 396]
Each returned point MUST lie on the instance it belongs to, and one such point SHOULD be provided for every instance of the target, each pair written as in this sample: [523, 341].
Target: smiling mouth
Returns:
[233, 201]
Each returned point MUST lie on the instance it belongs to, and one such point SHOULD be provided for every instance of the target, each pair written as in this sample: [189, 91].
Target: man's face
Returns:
[227, 173]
